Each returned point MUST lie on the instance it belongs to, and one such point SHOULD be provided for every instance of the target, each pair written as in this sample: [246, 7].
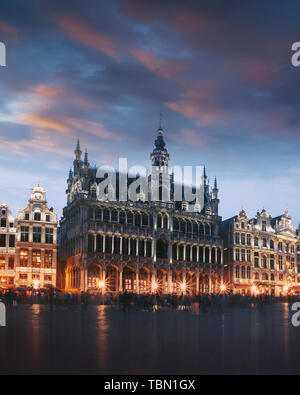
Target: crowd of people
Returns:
[149, 302]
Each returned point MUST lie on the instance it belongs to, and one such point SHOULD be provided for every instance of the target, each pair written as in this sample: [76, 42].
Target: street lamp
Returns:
[154, 287]
[223, 288]
[183, 287]
[254, 289]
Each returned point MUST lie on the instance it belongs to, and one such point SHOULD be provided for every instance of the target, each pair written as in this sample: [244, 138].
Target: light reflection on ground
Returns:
[104, 340]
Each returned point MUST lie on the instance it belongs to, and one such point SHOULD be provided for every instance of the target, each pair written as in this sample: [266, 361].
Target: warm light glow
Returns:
[183, 287]
[254, 289]
[285, 288]
[101, 284]
[223, 288]
[154, 287]
[36, 284]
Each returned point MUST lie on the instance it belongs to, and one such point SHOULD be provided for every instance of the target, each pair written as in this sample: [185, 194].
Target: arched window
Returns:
[37, 216]
[201, 229]
[162, 249]
[175, 225]
[122, 217]
[159, 221]
[145, 220]
[272, 244]
[166, 221]
[189, 227]
[114, 216]
[264, 262]
[207, 230]
[243, 272]
[106, 215]
[137, 219]
[182, 226]
[129, 218]
[248, 272]
[90, 242]
[188, 253]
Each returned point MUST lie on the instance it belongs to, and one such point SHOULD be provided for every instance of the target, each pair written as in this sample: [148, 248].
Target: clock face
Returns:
[38, 196]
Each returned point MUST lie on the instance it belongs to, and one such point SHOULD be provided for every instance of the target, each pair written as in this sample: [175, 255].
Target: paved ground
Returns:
[108, 341]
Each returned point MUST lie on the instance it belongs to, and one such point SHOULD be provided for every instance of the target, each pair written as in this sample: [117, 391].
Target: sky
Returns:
[220, 73]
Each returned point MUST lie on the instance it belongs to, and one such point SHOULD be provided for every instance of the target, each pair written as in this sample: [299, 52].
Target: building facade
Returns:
[261, 254]
[7, 247]
[36, 245]
[143, 246]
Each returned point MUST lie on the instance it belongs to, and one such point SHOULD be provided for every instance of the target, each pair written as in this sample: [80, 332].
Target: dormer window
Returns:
[3, 222]
[48, 218]
[243, 225]
[37, 216]
[264, 226]
[27, 217]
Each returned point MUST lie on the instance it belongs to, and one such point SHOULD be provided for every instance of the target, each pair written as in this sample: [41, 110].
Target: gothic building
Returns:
[262, 254]
[148, 245]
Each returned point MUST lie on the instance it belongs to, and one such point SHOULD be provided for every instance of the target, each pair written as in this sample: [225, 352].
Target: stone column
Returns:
[129, 245]
[145, 247]
[184, 251]
[104, 237]
[121, 245]
[137, 246]
[170, 250]
[198, 253]
[210, 248]
[95, 242]
[112, 244]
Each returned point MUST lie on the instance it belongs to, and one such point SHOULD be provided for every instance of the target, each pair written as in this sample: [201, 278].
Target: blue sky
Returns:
[220, 72]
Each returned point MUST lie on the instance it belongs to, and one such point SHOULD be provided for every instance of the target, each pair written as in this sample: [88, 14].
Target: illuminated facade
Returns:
[142, 246]
[261, 254]
[36, 246]
[7, 247]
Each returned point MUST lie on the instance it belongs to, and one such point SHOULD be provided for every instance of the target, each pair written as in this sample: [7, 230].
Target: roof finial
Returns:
[286, 211]
[77, 151]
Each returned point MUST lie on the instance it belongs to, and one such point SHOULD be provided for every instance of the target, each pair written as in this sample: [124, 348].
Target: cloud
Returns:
[190, 137]
[84, 34]
[162, 67]
[9, 32]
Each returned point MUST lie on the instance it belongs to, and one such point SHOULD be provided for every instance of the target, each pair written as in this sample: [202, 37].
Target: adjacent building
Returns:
[143, 246]
[7, 247]
[36, 245]
[261, 254]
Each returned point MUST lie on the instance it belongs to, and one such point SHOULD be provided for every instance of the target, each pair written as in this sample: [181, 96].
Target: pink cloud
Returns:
[84, 34]
[256, 72]
[164, 68]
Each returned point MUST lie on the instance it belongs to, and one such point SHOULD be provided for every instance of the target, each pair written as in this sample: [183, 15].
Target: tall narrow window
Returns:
[48, 259]
[37, 234]
[36, 258]
[24, 258]
[2, 240]
[37, 216]
[49, 236]
[11, 241]
[2, 262]
[11, 262]
[24, 233]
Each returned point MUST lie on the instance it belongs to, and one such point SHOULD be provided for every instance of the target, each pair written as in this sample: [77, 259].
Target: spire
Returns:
[160, 155]
[86, 158]
[204, 176]
[77, 151]
[215, 183]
